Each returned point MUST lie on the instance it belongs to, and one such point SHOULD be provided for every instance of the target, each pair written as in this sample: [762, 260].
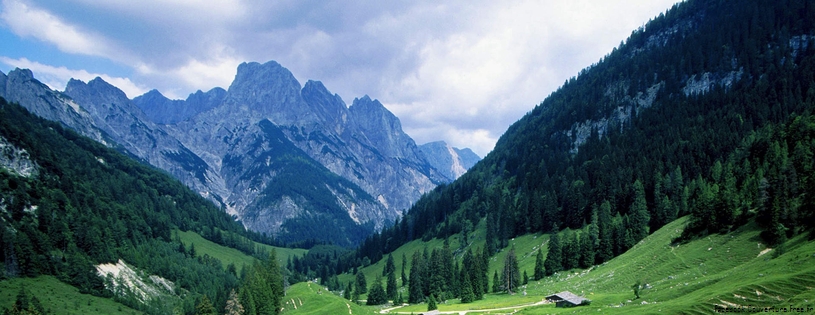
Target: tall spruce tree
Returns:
[405, 279]
[539, 272]
[391, 289]
[511, 275]
[389, 266]
[605, 250]
[554, 260]
[361, 283]
[639, 216]
[415, 294]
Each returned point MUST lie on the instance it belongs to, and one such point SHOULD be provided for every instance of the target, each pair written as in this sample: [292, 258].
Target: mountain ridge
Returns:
[363, 143]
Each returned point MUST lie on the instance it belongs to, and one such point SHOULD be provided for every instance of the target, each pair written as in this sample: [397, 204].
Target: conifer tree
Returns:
[539, 269]
[431, 303]
[348, 289]
[377, 295]
[390, 288]
[404, 268]
[511, 276]
[496, 284]
[389, 266]
[605, 250]
[467, 294]
[204, 307]
[415, 294]
[361, 283]
[639, 216]
[553, 261]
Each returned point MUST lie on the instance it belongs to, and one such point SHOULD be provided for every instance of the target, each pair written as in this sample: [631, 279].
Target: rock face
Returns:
[452, 162]
[295, 162]
[21, 87]
[162, 110]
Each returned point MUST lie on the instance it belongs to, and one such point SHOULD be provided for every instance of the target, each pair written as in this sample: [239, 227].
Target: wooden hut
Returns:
[567, 299]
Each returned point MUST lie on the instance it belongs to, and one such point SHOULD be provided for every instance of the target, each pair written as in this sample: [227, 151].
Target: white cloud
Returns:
[26, 20]
[462, 71]
[57, 77]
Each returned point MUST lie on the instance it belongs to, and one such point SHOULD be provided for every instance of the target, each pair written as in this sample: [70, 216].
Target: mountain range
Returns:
[284, 159]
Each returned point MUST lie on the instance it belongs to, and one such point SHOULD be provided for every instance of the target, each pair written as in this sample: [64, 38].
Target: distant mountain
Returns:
[452, 162]
[284, 160]
[162, 110]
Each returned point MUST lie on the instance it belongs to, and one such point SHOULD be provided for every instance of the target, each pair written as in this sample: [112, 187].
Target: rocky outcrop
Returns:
[21, 87]
[452, 162]
[125, 123]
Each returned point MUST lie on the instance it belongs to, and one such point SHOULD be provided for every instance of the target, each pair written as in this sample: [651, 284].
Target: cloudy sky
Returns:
[459, 71]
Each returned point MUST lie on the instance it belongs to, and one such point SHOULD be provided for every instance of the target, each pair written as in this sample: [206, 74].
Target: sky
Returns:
[458, 71]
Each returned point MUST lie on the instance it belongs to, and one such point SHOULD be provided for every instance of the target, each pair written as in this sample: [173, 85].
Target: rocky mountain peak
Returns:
[268, 91]
[101, 98]
[329, 107]
[382, 128]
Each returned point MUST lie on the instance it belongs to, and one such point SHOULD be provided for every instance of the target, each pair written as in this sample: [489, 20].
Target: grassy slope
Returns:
[229, 255]
[59, 298]
[688, 278]
[311, 298]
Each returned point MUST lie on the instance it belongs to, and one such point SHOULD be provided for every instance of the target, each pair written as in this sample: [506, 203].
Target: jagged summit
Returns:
[163, 110]
[259, 148]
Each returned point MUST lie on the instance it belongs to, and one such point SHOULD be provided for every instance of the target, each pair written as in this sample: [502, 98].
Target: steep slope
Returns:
[21, 87]
[114, 113]
[452, 162]
[87, 204]
[366, 146]
[633, 142]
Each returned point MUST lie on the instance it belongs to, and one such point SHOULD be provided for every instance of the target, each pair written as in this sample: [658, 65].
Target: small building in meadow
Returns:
[567, 299]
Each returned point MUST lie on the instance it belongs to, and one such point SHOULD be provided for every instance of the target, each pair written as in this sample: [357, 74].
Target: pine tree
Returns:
[639, 216]
[586, 251]
[526, 278]
[389, 266]
[404, 268]
[431, 303]
[605, 251]
[467, 294]
[377, 295]
[511, 276]
[539, 269]
[262, 288]
[553, 261]
[361, 283]
[204, 307]
[496, 284]
[415, 294]
[391, 286]
[348, 289]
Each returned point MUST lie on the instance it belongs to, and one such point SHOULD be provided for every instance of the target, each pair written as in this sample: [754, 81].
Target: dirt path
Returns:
[515, 308]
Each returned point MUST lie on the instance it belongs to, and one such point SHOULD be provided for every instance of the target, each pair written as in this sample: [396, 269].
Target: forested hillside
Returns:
[68, 203]
[658, 129]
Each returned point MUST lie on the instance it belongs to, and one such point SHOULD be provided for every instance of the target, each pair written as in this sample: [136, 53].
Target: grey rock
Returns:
[452, 162]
